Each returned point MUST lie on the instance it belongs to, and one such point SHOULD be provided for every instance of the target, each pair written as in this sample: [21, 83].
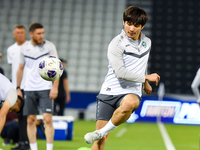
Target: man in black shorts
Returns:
[36, 88]
[121, 91]
[63, 92]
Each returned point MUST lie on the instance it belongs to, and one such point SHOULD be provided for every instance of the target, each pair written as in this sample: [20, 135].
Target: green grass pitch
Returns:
[136, 136]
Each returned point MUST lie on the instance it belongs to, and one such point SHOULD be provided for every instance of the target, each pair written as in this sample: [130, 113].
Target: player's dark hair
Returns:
[21, 104]
[19, 26]
[135, 15]
[34, 26]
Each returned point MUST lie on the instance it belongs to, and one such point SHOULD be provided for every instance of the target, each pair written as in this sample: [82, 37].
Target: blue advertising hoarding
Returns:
[173, 109]
[167, 111]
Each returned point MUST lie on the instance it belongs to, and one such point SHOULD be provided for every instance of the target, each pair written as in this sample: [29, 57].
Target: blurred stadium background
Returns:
[81, 31]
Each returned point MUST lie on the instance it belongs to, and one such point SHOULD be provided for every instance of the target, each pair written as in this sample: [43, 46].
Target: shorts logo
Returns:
[108, 89]
[48, 110]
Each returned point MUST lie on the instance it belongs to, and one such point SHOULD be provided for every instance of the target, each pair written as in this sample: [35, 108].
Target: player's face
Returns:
[15, 108]
[37, 36]
[132, 31]
[19, 34]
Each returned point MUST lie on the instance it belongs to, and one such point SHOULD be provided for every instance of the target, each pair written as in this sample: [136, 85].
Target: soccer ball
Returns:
[50, 68]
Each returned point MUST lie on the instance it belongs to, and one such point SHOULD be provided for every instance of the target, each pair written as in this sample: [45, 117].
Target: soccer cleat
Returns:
[6, 142]
[92, 136]
[21, 147]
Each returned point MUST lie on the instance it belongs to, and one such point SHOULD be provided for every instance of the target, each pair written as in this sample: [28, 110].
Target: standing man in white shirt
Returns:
[121, 91]
[13, 56]
[37, 90]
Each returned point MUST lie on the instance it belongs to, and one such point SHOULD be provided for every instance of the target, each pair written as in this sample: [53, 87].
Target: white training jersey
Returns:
[31, 56]
[127, 65]
[5, 87]
[13, 57]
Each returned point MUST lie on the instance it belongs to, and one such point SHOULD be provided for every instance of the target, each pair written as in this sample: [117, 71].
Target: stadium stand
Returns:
[175, 52]
[80, 29]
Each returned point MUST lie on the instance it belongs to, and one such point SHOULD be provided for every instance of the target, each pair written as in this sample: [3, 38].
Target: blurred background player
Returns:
[9, 100]
[13, 56]
[37, 89]
[10, 130]
[1, 69]
[63, 92]
[195, 86]
[121, 91]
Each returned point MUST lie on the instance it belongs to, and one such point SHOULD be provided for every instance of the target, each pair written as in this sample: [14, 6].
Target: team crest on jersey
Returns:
[41, 49]
[144, 44]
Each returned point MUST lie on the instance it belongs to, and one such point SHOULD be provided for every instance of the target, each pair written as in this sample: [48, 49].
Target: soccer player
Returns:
[195, 86]
[13, 55]
[9, 101]
[37, 89]
[121, 91]
[63, 92]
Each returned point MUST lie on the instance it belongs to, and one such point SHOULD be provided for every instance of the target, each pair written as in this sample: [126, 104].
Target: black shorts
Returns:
[34, 98]
[107, 104]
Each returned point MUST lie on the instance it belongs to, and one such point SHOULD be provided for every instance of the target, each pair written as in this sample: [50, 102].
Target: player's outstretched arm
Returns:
[195, 86]
[54, 91]
[19, 78]
[3, 112]
[154, 77]
[66, 87]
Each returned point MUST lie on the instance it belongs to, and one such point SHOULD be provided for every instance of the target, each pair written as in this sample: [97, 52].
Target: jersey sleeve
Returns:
[115, 57]
[53, 51]
[9, 57]
[11, 96]
[21, 59]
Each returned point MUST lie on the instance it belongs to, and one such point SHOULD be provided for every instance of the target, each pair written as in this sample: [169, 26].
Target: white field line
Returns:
[121, 132]
[168, 143]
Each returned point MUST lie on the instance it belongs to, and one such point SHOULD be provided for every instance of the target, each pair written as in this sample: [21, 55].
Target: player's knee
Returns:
[47, 120]
[31, 120]
[130, 105]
